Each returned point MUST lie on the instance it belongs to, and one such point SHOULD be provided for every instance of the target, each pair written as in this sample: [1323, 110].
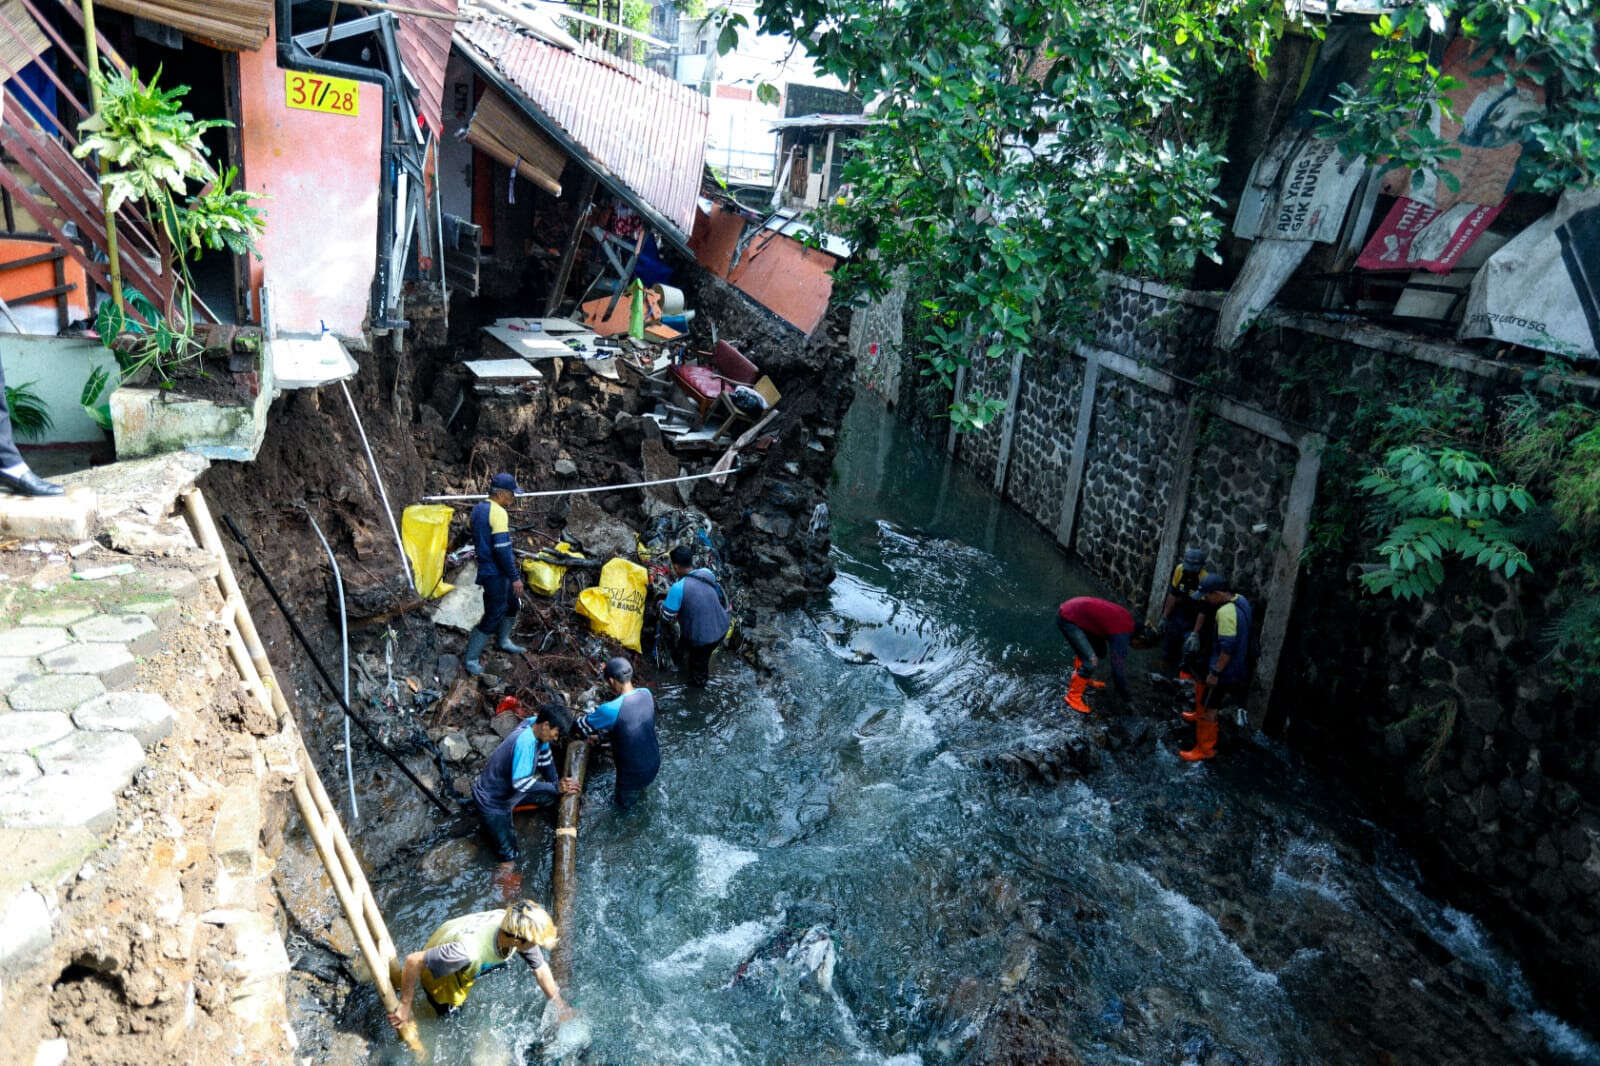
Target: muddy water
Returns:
[829, 871]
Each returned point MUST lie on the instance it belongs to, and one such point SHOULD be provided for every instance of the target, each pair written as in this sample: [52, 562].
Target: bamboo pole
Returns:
[344, 870]
[564, 862]
[92, 46]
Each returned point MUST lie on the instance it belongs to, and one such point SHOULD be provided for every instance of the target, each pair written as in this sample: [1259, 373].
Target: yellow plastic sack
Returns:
[615, 607]
[545, 578]
[425, 532]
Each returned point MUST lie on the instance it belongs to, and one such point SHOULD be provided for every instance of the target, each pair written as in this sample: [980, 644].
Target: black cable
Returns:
[294, 627]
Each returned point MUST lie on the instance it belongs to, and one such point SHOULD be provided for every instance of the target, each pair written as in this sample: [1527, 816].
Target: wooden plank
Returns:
[1080, 452]
[1177, 506]
[1285, 572]
[564, 862]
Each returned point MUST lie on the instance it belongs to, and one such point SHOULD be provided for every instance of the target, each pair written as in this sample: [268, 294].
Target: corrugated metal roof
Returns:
[640, 127]
[424, 49]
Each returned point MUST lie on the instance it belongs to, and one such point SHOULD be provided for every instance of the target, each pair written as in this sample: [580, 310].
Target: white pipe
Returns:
[344, 645]
[599, 488]
[382, 494]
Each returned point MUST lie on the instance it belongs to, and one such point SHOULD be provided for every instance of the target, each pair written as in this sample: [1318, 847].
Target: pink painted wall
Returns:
[319, 176]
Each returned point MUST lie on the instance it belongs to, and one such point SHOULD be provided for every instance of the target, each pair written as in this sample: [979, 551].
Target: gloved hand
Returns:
[1191, 643]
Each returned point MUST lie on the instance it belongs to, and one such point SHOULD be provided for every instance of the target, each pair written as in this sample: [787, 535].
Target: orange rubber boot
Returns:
[1205, 742]
[1075, 688]
[1199, 703]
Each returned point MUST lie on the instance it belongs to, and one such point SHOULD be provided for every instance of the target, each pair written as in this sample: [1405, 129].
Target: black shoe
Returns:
[28, 483]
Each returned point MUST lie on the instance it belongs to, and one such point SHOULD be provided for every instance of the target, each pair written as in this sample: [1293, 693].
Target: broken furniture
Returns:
[764, 386]
[704, 384]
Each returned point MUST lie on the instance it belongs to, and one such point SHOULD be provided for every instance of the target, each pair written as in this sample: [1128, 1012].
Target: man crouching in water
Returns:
[630, 721]
[465, 948]
[521, 773]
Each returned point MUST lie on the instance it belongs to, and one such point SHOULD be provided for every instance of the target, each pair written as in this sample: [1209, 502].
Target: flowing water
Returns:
[829, 869]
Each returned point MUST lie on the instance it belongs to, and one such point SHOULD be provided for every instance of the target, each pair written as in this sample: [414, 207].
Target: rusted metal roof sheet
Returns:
[424, 49]
[635, 128]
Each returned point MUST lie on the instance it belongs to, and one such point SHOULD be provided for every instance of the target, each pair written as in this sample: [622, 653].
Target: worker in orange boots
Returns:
[1229, 674]
[1094, 629]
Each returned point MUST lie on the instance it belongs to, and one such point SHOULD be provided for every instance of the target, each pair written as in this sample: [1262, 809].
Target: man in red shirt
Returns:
[1094, 629]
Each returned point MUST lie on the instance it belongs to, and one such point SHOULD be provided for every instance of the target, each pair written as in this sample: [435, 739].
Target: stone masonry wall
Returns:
[1239, 485]
[1042, 441]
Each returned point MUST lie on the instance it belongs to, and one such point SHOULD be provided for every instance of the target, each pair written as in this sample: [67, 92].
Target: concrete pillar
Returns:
[1285, 571]
[1177, 505]
[1080, 450]
[956, 397]
[1008, 424]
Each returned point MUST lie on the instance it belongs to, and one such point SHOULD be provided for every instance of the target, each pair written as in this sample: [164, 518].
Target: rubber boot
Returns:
[1205, 742]
[472, 662]
[1199, 703]
[1075, 688]
[504, 643]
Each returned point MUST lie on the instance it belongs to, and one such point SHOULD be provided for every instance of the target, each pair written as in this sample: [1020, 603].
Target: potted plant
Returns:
[152, 154]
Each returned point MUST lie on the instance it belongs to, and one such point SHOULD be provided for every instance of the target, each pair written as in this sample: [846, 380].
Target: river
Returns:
[838, 865]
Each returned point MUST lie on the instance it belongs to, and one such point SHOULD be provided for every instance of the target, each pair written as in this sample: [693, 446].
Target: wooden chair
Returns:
[769, 392]
[704, 384]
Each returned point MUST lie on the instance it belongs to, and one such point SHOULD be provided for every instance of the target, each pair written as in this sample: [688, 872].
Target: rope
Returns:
[598, 488]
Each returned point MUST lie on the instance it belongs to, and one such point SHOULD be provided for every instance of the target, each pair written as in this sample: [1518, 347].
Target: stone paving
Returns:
[73, 733]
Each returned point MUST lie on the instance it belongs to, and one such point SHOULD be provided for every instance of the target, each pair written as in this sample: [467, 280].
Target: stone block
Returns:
[145, 715]
[26, 730]
[28, 641]
[55, 616]
[162, 610]
[64, 517]
[111, 663]
[24, 932]
[454, 747]
[134, 631]
[236, 832]
[14, 671]
[111, 759]
[16, 769]
[59, 801]
[55, 692]
[52, 1053]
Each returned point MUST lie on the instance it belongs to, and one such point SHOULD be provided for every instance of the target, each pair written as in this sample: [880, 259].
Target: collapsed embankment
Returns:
[433, 434]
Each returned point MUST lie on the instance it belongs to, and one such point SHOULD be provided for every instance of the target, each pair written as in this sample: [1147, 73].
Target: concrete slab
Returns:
[55, 692]
[64, 517]
[28, 641]
[147, 716]
[236, 833]
[308, 362]
[162, 610]
[502, 370]
[461, 607]
[25, 933]
[15, 670]
[111, 663]
[56, 616]
[57, 801]
[42, 856]
[528, 345]
[26, 730]
[16, 769]
[134, 631]
[145, 487]
[110, 758]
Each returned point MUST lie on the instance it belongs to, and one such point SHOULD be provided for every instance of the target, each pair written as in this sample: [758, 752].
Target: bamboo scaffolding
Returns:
[564, 862]
[344, 870]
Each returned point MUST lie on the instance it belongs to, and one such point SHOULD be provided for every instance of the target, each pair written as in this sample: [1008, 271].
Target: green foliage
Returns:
[219, 217]
[1022, 147]
[1436, 504]
[1559, 446]
[1551, 42]
[30, 415]
[96, 397]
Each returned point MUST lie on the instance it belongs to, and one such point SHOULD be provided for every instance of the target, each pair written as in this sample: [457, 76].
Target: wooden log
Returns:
[564, 861]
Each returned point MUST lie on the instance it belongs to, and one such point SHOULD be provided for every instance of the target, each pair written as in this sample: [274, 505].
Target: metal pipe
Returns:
[305, 644]
[344, 648]
[382, 492]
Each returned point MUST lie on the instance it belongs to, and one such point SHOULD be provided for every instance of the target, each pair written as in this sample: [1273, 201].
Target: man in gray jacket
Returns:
[698, 605]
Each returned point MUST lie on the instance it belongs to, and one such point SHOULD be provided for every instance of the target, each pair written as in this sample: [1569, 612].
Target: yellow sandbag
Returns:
[425, 532]
[615, 607]
[545, 578]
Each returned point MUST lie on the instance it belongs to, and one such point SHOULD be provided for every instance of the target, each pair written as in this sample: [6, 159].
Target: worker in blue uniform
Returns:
[698, 607]
[1229, 674]
[497, 572]
[521, 772]
[1180, 611]
[629, 720]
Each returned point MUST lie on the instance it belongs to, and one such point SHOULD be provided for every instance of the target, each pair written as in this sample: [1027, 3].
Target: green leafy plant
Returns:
[1435, 504]
[1024, 146]
[153, 152]
[30, 415]
[96, 397]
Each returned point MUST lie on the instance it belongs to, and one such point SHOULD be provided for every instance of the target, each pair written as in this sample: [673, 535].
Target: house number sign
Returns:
[318, 92]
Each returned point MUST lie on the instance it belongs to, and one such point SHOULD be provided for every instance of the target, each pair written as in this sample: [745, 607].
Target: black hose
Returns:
[294, 627]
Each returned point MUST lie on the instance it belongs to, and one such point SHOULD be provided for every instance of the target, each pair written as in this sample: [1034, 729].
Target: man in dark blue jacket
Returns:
[698, 605]
[497, 572]
[521, 772]
[630, 721]
[1229, 675]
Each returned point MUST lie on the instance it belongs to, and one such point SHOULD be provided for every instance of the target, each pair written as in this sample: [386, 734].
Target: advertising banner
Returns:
[1415, 235]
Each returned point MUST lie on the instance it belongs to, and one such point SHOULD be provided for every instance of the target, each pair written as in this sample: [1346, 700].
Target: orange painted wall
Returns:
[781, 274]
[37, 278]
[319, 174]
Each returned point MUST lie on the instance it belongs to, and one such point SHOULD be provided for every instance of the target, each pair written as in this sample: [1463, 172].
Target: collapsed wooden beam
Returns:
[564, 861]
